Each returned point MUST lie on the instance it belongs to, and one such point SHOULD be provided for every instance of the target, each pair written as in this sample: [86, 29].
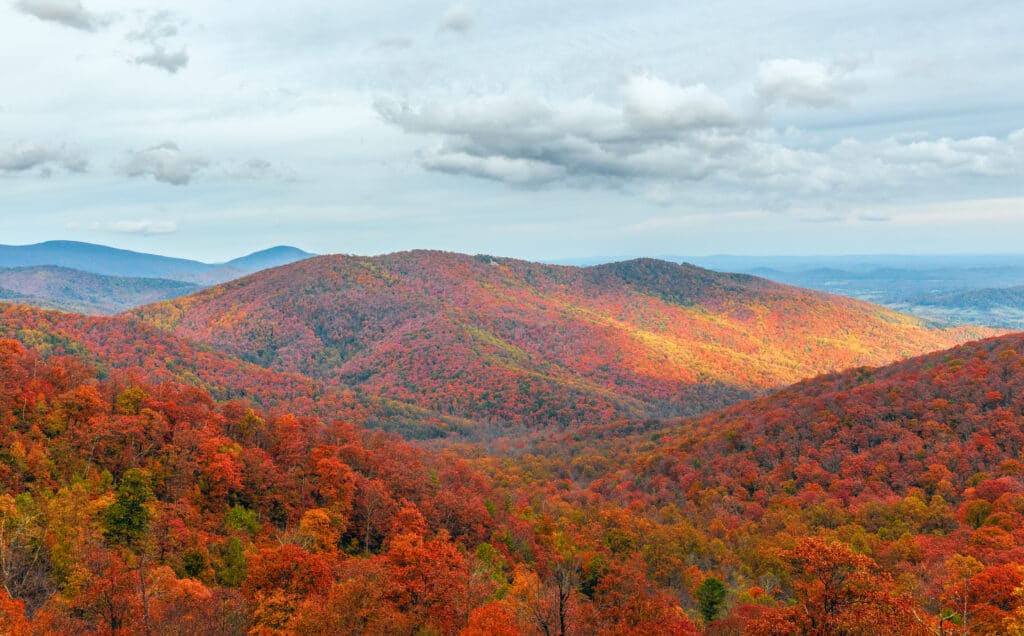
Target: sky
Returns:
[533, 129]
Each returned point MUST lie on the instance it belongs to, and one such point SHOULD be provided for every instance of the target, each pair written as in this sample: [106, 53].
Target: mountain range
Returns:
[110, 261]
[633, 447]
[508, 341]
[904, 482]
[94, 279]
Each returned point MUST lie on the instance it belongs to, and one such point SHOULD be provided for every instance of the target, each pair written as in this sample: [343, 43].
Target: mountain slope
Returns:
[135, 351]
[503, 340]
[265, 259]
[142, 508]
[907, 478]
[98, 259]
[109, 261]
[82, 292]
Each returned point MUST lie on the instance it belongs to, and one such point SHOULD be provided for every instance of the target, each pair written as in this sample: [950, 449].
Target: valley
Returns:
[478, 444]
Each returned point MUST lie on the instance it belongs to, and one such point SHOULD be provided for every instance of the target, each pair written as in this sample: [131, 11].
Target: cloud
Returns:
[801, 83]
[69, 13]
[160, 27]
[512, 170]
[663, 134]
[259, 170]
[142, 226]
[654, 104]
[23, 157]
[158, 57]
[458, 19]
[982, 156]
[165, 162]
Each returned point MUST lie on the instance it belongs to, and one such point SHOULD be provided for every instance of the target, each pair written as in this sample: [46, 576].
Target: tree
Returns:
[126, 521]
[710, 596]
[12, 616]
[837, 591]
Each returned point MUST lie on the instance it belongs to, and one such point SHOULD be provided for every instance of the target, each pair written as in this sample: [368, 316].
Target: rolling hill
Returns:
[109, 261]
[133, 351]
[133, 507]
[508, 341]
[82, 292]
[900, 487]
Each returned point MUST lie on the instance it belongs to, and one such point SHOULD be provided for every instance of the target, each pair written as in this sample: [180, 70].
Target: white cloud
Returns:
[597, 103]
[164, 162]
[802, 83]
[654, 104]
[158, 57]
[458, 18]
[259, 170]
[23, 157]
[512, 170]
[69, 13]
[158, 28]
[662, 133]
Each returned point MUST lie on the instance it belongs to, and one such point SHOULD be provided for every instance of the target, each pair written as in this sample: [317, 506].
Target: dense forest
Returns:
[882, 500]
[152, 508]
[511, 342]
[157, 484]
[72, 290]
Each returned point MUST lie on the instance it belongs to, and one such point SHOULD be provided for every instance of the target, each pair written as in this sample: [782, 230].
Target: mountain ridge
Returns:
[111, 261]
[55, 287]
[644, 338]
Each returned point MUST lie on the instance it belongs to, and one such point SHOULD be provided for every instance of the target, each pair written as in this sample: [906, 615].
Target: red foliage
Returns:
[507, 341]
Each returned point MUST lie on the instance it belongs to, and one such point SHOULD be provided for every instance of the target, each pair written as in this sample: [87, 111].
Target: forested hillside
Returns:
[507, 341]
[81, 292]
[120, 346]
[886, 500]
[152, 508]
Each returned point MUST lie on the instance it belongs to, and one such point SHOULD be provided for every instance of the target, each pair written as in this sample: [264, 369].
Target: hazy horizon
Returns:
[708, 259]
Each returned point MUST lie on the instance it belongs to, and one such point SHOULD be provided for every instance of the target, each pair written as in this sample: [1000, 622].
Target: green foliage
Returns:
[234, 567]
[241, 518]
[194, 563]
[977, 511]
[710, 596]
[492, 566]
[126, 521]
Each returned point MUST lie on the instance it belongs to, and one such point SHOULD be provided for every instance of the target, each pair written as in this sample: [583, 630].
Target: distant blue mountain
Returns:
[110, 261]
[265, 259]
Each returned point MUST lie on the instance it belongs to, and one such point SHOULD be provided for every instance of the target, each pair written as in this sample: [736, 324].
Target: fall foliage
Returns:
[159, 485]
[498, 340]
